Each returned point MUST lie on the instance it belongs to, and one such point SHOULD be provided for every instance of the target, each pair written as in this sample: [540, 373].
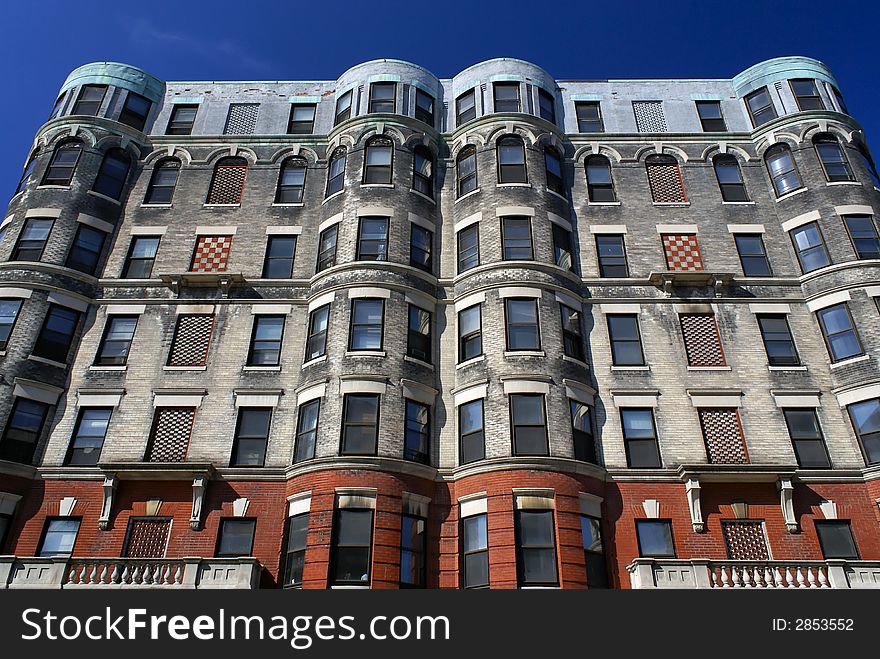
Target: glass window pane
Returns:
[655, 538]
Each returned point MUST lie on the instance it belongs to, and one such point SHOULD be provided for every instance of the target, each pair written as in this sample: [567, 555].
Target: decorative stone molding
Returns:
[692, 489]
[108, 489]
[240, 506]
[786, 501]
[66, 506]
[199, 485]
[651, 508]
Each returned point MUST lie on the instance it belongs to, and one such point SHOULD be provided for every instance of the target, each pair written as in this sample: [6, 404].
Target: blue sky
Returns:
[319, 39]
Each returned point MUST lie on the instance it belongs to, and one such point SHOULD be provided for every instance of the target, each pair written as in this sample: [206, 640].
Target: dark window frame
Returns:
[77, 454]
[757, 114]
[646, 522]
[820, 317]
[508, 324]
[122, 360]
[653, 438]
[511, 244]
[841, 162]
[353, 325]
[297, 126]
[555, 182]
[43, 347]
[477, 433]
[254, 350]
[336, 182]
[778, 181]
[130, 259]
[601, 192]
[419, 553]
[807, 102]
[467, 258]
[80, 257]
[21, 248]
[466, 339]
[498, 104]
[291, 193]
[314, 335]
[869, 441]
[583, 123]
[573, 342]
[545, 111]
[421, 252]
[469, 180]
[309, 435]
[294, 554]
[335, 547]
[463, 116]
[16, 304]
[157, 189]
[378, 174]
[609, 264]
[583, 441]
[178, 126]
[413, 428]
[376, 400]
[235, 460]
[798, 438]
[511, 172]
[133, 117]
[374, 102]
[52, 176]
[615, 360]
[821, 246]
[861, 236]
[107, 183]
[26, 441]
[420, 113]
[327, 256]
[270, 261]
[372, 249]
[482, 551]
[221, 532]
[418, 344]
[515, 449]
[752, 257]
[730, 192]
[82, 101]
[771, 359]
[840, 523]
[522, 548]
[344, 103]
[421, 183]
[711, 124]
[46, 527]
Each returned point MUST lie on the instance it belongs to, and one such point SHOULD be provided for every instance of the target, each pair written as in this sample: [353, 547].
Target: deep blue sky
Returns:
[318, 39]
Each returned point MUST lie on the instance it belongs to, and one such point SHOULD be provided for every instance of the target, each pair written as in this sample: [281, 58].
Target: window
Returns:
[594, 556]
[182, 119]
[506, 96]
[23, 430]
[56, 335]
[192, 339]
[547, 106]
[8, 314]
[522, 324]
[227, 183]
[236, 538]
[589, 117]
[86, 249]
[367, 316]
[516, 239]
[511, 160]
[295, 560]
[63, 164]
[163, 182]
[836, 539]
[251, 437]
[470, 333]
[336, 172]
[352, 544]
[378, 155]
[418, 338]
[475, 551]
[806, 438]
[466, 169]
[424, 107]
[783, 171]
[316, 344]
[611, 252]
[465, 107]
[169, 434]
[280, 251]
[562, 248]
[26, 175]
[869, 165]
[5, 525]
[866, 421]
[59, 537]
[291, 181]
[382, 97]
[327, 248]
[116, 341]
[306, 430]
[360, 424]
[471, 437]
[778, 341]
[711, 118]
[760, 107]
[413, 546]
[32, 239]
[730, 178]
[420, 248]
[572, 336]
[838, 97]
[655, 538]
[664, 178]
[266, 340]
[810, 247]
[600, 185]
[241, 119]
[141, 255]
[423, 171]
[640, 438]
[553, 168]
[723, 435]
[468, 248]
[649, 116]
[806, 94]
[302, 119]
[372, 239]
[536, 548]
[89, 100]
[863, 234]
[582, 431]
[343, 108]
[211, 254]
[528, 424]
[112, 174]
[58, 106]
[840, 334]
[752, 255]
[626, 342]
[135, 111]
[702, 342]
[88, 436]
[834, 162]
[417, 435]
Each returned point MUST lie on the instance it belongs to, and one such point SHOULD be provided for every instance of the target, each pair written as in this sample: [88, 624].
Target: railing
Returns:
[108, 573]
[701, 573]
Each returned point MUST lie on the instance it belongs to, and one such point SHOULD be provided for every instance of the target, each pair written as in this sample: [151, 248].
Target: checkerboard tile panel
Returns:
[227, 184]
[211, 254]
[723, 436]
[192, 338]
[147, 538]
[701, 340]
[649, 116]
[682, 252]
[667, 186]
[172, 428]
[745, 540]
[242, 119]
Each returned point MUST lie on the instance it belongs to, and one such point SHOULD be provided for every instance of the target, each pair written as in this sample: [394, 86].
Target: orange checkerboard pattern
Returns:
[212, 254]
[682, 252]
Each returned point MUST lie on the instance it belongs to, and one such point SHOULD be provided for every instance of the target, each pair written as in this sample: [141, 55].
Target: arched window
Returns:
[511, 160]
[783, 172]
[600, 185]
[423, 171]
[730, 178]
[553, 167]
[466, 170]
[664, 177]
[163, 182]
[112, 174]
[227, 183]
[832, 157]
[291, 181]
[63, 164]
[26, 175]
[336, 171]
[378, 155]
